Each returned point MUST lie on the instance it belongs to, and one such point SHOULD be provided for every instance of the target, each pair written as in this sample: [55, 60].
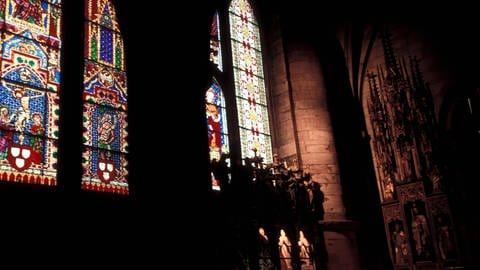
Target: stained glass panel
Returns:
[104, 171]
[215, 42]
[242, 8]
[251, 87]
[254, 140]
[27, 159]
[245, 31]
[27, 109]
[105, 86]
[105, 128]
[253, 116]
[248, 59]
[30, 81]
[27, 61]
[105, 102]
[249, 82]
[3, 5]
[104, 46]
[39, 19]
[216, 114]
[216, 121]
[102, 12]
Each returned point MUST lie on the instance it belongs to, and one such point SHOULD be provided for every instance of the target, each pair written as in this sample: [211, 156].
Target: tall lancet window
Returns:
[105, 101]
[29, 90]
[216, 121]
[249, 82]
[217, 126]
[215, 43]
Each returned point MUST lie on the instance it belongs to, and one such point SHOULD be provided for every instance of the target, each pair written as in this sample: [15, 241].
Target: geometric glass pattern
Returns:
[215, 45]
[217, 125]
[105, 166]
[249, 82]
[29, 87]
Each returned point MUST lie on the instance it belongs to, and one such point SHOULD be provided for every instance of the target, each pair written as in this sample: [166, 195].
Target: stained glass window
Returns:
[29, 88]
[249, 82]
[105, 102]
[217, 125]
[216, 121]
[215, 45]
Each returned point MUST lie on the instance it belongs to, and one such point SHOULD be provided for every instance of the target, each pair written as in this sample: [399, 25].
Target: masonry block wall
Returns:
[281, 112]
[314, 130]
[302, 119]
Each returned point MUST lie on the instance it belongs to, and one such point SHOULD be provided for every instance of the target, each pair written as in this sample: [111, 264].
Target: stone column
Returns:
[303, 128]
[316, 146]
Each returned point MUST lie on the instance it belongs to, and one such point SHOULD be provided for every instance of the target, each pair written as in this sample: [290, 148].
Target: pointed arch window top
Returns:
[215, 42]
[103, 38]
[103, 13]
[242, 9]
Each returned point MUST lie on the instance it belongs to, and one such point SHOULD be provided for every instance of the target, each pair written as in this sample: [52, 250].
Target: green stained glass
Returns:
[3, 5]
[93, 48]
[118, 56]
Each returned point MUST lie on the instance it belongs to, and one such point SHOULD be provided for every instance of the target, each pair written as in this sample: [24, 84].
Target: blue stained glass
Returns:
[107, 128]
[216, 121]
[25, 43]
[26, 75]
[13, 97]
[105, 102]
[106, 45]
[30, 79]
[105, 86]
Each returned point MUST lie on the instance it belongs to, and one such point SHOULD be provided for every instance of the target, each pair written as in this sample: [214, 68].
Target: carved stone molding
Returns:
[411, 192]
[438, 205]
[392, 212]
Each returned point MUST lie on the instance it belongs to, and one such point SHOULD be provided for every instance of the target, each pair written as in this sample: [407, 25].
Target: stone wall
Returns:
[302, 121]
